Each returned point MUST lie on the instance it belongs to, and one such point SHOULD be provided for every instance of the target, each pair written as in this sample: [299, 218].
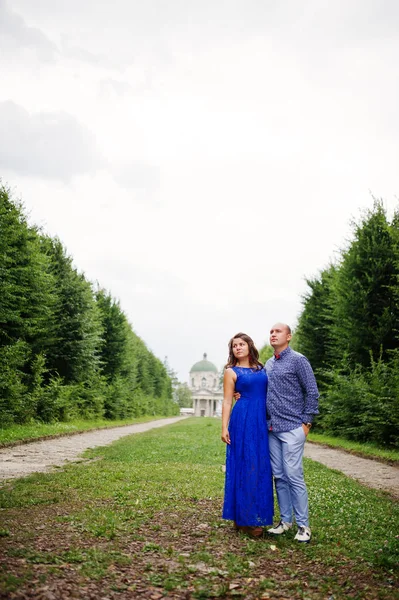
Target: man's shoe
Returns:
[303, 534]
[282, 527]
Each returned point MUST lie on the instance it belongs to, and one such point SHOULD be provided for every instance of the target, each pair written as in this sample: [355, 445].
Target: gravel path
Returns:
[42, 456]
[34, 457]
[372, 473]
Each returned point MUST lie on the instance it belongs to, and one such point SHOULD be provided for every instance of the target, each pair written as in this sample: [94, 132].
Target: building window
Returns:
[203, 382]
[192, 382]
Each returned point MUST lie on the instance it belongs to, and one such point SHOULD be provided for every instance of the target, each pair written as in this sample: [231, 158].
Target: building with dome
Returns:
[205, 389]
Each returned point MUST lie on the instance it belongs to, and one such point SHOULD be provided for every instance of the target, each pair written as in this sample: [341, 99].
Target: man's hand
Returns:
[226, 436]
[236, 396]
[306, 429]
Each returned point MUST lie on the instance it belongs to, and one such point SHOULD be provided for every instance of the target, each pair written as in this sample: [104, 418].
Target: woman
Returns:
[248, 498]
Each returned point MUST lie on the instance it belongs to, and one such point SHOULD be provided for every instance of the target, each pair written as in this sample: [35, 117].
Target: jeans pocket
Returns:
[301, 433]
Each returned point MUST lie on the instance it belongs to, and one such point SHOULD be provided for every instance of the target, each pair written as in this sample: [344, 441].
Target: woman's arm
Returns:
[229, 381]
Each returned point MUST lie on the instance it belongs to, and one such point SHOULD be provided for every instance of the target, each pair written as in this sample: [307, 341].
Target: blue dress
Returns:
[248, 495]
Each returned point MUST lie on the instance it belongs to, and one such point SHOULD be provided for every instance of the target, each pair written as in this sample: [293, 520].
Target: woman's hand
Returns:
[226, 436]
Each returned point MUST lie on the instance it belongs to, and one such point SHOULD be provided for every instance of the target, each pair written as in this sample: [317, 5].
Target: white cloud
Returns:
[114, 86]
[138, 175]
[16, 35]
[52, 145]
[80, 54]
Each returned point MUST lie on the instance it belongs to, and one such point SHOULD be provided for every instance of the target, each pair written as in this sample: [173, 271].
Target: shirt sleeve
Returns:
[308, 384]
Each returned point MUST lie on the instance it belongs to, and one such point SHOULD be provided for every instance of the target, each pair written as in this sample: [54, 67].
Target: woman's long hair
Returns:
[253, 353]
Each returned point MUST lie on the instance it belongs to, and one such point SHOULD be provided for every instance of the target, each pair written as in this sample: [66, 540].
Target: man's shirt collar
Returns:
[283, 353]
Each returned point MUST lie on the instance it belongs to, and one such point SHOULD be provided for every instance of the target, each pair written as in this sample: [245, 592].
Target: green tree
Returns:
[265, 353]
[362, 403]
[26, 305]
[137, 381]
[313, 336]
[65, 351]
[116, 354]
[183, 396]
[366, 310]
[73, 349]
[171, 373]
[348, 329]
[26, 287]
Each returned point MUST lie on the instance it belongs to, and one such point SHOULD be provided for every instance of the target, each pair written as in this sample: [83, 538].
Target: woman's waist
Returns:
[251, 398]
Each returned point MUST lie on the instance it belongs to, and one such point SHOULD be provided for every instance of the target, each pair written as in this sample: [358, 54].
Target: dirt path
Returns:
[372, 473]
[44, 455]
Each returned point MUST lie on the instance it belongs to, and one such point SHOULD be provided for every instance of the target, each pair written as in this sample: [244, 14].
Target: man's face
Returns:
[279, 335]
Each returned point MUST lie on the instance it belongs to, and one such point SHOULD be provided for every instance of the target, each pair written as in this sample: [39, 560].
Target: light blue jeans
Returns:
[286, 452]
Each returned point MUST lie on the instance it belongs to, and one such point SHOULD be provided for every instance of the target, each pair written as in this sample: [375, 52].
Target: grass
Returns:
[34, 431]
[144, 521]
[368, 450]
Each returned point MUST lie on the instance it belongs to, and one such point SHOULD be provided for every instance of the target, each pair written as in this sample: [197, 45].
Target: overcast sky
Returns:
[199, 159]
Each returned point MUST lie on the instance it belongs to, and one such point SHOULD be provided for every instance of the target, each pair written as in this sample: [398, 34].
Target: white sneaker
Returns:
[282, 527]
[303, 534]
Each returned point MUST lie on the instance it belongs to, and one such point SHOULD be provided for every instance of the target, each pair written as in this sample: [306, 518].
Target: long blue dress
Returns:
[248, 496]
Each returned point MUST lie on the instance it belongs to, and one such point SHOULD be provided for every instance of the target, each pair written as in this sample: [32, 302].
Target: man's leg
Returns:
[280, 478]
[292, 450]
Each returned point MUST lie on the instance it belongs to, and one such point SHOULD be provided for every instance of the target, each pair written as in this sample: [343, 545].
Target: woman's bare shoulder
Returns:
[229, 373]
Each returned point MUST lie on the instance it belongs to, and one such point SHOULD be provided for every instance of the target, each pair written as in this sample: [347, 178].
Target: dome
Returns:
[204, 365]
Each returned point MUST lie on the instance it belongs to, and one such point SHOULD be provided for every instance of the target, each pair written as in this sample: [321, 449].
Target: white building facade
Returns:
[205, 388]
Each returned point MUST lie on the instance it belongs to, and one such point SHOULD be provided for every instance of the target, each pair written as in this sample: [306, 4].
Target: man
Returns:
[292, 403]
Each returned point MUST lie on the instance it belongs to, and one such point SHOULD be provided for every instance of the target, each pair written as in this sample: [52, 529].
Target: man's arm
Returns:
[311, 393]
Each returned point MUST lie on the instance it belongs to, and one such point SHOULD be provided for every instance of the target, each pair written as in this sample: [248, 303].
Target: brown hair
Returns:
[253, 353]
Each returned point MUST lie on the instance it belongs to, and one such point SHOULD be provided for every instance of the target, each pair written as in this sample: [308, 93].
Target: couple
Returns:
[267, 436]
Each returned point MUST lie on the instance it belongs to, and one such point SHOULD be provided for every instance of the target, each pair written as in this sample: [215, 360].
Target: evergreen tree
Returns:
[366, 310]
[183, 396]
[316, 322]
[26, 287]
[115, 356]
[265, 353]
[75, 340]
[135, 377]
[64, 351]
[26, 304]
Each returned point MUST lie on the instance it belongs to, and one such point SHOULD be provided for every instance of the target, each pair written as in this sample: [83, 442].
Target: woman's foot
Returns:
[255, 531]
[242, 528]
[251, 531]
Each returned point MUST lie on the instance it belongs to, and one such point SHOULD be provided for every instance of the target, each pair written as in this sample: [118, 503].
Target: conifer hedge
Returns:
[349, 329]
[67, 350]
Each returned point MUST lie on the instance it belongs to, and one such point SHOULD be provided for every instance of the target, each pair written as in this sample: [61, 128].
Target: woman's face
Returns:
[240, 348]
